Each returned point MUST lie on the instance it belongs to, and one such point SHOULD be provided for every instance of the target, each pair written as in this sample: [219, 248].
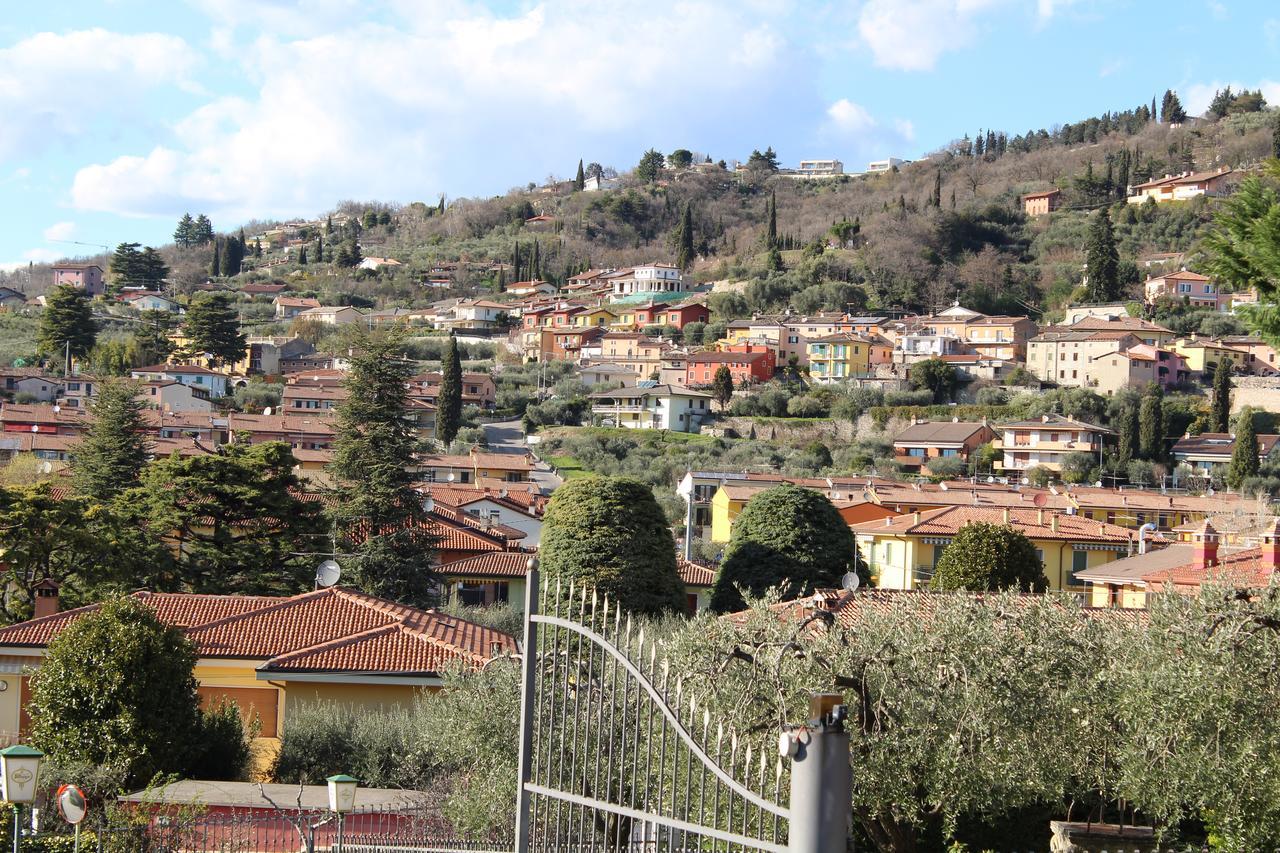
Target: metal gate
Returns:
[615, 756]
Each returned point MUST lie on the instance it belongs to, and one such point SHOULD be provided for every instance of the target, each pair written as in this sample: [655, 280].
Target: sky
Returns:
[118, 116]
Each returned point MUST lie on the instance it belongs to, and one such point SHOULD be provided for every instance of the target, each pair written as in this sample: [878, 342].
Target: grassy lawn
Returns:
[567, 466]
[639, 435]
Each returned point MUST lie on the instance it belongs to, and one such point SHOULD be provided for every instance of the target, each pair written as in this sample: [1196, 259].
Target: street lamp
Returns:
[342, 799]
[20, 768]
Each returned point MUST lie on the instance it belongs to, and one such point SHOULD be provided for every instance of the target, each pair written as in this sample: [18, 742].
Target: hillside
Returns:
[946, 227]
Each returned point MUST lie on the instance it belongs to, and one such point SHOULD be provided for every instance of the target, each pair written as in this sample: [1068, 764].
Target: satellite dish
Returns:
[327, 574]
[850, 581]
[1040, 499]
[35, 427]
[267, 410]
[57, 409]
[46, 467]
[991, 479]
[942, 486]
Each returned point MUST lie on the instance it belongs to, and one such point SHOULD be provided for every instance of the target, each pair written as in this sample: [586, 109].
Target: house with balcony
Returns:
[838, 357]
[1000, 337]
[1210, 452]
[1046, 442]
[1135, 367]
[1063, 355]
[747, 364]
[1263, 360]
[217, 384]
[671, 407]
[1191, 288]
[1183, 187]
[288, 307]
[902, 552]
[1203, 355]
[645, 279]
[922, 441]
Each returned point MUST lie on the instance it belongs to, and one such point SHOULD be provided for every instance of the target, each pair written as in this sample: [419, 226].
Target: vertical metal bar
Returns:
[527, 687]
[578, 746]
[562, 724]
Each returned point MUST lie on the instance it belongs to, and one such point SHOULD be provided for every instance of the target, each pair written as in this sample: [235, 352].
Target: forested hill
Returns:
[944, 227]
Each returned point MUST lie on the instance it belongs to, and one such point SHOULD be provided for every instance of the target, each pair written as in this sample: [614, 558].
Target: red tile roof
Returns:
[694, 573]
[499, 564]
[333, 630]
[1037, 524]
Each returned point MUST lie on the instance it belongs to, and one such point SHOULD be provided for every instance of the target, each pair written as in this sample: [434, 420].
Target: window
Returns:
[917, 452]
[1079, 562]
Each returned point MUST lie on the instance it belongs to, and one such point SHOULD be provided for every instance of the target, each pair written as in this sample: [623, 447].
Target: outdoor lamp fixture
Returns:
[342, 799]
[20, 768]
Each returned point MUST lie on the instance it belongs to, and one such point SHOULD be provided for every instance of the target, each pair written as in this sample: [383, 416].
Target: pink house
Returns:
[1171, 368]
[86, 276]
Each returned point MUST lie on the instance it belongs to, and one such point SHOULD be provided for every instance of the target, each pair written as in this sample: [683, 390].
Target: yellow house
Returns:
[272, 654]
[903, 551]
[726, 503]
[835, 358]
[598, 316]
[1203, 354]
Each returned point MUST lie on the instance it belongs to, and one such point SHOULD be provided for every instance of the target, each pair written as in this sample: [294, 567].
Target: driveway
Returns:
[508, 437]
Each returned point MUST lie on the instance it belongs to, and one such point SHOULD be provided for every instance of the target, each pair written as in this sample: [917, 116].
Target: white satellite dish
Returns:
[328, 573]
[850, 581]
[267, 410]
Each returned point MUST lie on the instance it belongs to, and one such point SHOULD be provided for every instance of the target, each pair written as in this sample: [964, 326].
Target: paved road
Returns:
[508, 437]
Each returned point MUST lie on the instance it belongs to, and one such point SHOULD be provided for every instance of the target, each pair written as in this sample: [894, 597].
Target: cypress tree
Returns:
[937, 188]
[1244, 458]
[1102, 260]
[1220, 409]
[580, 182]
[684, 253]
[215, 265]
[1127, 440]
[449, 402]
[113, 452]
[515, 262]
[319, 249]
[1151, 427]
[771, 235]
[302, 256]
[535, 265]
[1275, 137]
[379, 515]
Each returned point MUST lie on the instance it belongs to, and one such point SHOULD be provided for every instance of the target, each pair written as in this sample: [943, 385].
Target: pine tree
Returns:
[1102, 260]
[1171, 111]
[185, 235]
[684, 241]
[203, 232]
[67, 317]
[1151, 426]
[1244, 458]
[378, 514]
[1220, 409]
[113, 452]
[213, 326]
[580, 182]
[449, 403]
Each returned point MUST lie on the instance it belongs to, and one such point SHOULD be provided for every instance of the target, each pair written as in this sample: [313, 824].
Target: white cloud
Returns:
[910, 35]
[60, 231]
[56, 86]
[851, 127]
[1111, 67]
[1196, 97]
[398, 110]
[850, 117]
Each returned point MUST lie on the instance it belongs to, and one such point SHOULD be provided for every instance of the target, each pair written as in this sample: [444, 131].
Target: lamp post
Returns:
[342, 799]
[20, 767]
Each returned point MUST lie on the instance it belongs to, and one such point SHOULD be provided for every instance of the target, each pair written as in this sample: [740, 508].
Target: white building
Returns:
[650, 278]
[216, 384]
[332, 315]
[173, 396]
[144, 300]
[816, 169]
[672, 407]
[886, 165]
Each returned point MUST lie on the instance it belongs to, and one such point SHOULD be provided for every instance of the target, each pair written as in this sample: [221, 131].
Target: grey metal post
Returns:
[821, 781]
[528, 670]
[17, 825]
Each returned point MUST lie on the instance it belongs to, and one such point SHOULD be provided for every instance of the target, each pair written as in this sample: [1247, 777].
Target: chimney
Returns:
[1271, 546]
[1206, 545]
[46, 597]
[915, 517]
[1006, 515]
[1040, 516]
[1053, 522]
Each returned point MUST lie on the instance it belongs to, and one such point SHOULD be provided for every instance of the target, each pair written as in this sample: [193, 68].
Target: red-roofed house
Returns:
[272, 654]
[746, 362]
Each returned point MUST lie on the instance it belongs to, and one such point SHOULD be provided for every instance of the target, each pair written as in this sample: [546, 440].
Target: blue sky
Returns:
[119, 115]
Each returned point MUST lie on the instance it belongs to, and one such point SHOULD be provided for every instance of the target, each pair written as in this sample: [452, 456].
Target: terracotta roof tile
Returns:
[498, 564]
[1035, 523]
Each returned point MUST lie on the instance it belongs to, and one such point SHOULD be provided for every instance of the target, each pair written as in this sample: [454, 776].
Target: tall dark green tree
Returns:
[935, 376]
[215, 263]
[936, 198]
[449, 402]
[580, 181]
[67, 324]
[1275, 137]
[1127, 441]
[1244, 457]
[213, 326]
[722, 386]
[771, 230]
[202, 233]
[1220, 408]
[378, 513]
[1151, 426]
[113, 452]
[185, 234]
[786, 536]
[609, 533]
[1171, 111]
[684, 239]
[1102, 260]
[650, 166]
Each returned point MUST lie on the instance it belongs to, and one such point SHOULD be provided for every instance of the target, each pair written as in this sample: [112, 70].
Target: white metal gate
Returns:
[615, 756]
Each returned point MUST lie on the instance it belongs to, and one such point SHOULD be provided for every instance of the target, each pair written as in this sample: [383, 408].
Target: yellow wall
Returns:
[723, 512]
[1132, 597]
[896, 568]
[1204, 357]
